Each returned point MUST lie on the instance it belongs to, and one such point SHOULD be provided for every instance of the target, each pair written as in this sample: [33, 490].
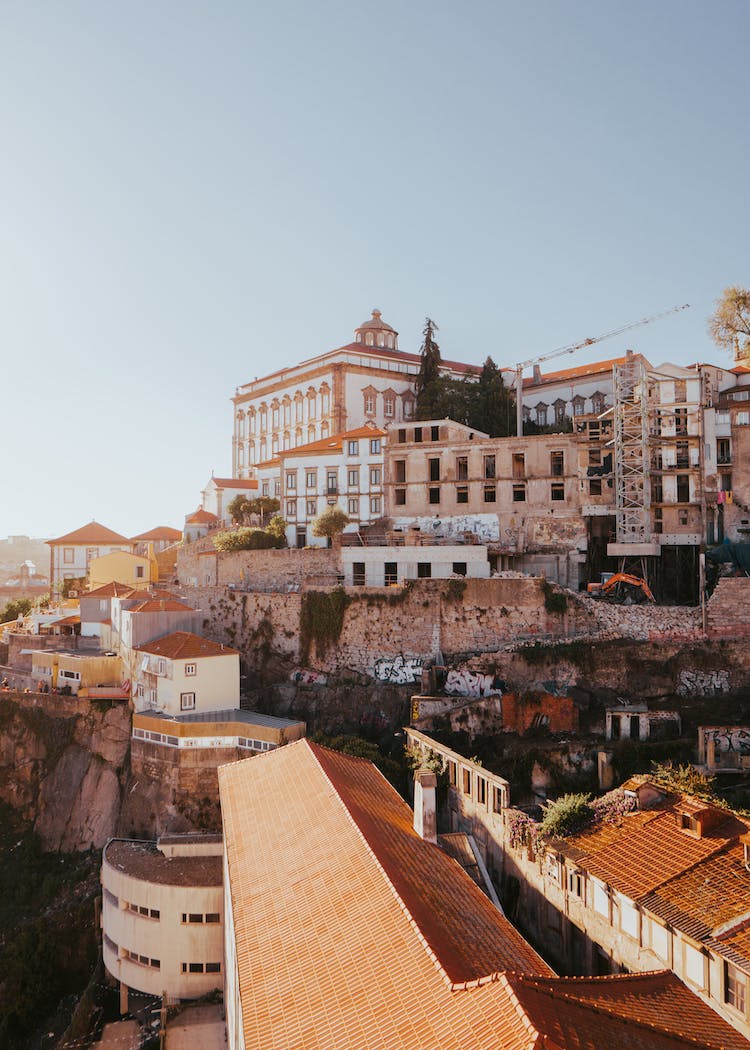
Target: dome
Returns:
[375, 332]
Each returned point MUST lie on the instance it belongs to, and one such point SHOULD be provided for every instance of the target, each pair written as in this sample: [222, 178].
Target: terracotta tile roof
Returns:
[334, 443]
[160, 605]
[111, 590]
[201, 517]
[350, 930]
[182, 645]
[579, 372]
[275, 462]
[647, 849]
[91, 533]
[161, 532]
[235, 483]
[647, 1011]
[735, 945]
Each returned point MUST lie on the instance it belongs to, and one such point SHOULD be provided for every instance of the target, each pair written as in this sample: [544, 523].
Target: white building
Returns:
[345, 470]
[385, 566]
[366, 381]
[70, 554]
[162, 923]
[219, 493]
[184, 672]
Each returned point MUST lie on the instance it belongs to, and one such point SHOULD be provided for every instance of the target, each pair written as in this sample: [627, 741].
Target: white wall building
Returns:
[184, 672]
[385, 566]
[70, 554]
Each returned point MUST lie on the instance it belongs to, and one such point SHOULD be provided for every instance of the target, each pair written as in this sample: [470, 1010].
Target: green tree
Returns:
[729, 325]
[239, 509]
[277, 527]
[493, 409]
[330, 523]
[263, 506]
[427, 383]
[14, 609]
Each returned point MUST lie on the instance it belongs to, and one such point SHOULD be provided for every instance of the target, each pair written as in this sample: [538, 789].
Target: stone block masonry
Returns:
[728, 609]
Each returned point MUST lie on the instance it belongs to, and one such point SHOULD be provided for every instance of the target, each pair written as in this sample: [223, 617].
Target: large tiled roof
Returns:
[579, 372]
[648, 848]
[649, 1011]
[160, 605]
[91, 533]
[161, 532]
[201, 517]
[334, 443]
[352, 931]
[182, 645]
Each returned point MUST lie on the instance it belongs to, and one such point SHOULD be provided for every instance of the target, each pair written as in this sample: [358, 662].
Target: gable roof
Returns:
[351, 932]
[160, 605]
[182, 645]
[161, 532]
[333, 443]
[112, 590]
[647, 1011]
[91, 533]
[578, 372]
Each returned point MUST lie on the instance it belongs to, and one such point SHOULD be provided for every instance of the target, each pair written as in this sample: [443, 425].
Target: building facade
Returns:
[71, 554]
[184, 672]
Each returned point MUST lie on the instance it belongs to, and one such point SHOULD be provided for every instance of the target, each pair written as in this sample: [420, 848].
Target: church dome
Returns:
[375, 332]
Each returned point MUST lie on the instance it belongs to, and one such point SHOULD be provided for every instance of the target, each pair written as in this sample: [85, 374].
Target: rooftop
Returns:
[182, 645]
[143, 860]
[161, 532]
[91, 533]
[228, 714]
[201, 517]
[234, 483]
[111, 590]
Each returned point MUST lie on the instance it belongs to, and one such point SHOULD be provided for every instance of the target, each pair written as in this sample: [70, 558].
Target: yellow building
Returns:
[77, 670]
[133, 570]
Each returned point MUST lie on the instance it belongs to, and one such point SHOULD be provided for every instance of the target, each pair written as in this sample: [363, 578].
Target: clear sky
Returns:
[195, 194]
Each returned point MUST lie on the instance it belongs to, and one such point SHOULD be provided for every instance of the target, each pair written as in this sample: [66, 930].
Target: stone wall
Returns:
[262, 570]
[728, 608]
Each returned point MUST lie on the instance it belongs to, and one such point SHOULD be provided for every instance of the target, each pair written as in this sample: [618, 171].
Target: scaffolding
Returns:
[632, 456]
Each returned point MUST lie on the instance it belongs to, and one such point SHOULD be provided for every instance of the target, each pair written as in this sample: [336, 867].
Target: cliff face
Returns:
[64, 763]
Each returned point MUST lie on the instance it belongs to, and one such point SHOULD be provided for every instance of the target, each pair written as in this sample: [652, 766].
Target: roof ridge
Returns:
[520, 1010]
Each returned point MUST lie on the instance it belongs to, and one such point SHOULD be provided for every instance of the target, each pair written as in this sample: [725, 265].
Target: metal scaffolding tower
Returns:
[632, 457]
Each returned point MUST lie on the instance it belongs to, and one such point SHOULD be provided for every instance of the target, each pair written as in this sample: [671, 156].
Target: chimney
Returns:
[537, 374]
[425, 805]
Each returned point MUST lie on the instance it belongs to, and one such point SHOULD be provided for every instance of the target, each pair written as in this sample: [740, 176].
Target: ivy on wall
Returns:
[321, 620]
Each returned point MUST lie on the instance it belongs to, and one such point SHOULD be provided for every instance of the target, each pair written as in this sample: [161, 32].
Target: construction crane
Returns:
[572, 349]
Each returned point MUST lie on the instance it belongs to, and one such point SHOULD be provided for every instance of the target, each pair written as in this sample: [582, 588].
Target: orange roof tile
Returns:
[160, 605]
[161, 532]
[111, 590]
[91, 533]
[235, 483]
[334, 443]
[579, 372]
[201, 517]
[647, 849]
[352, 931]
[182, 645]
[647, 1011]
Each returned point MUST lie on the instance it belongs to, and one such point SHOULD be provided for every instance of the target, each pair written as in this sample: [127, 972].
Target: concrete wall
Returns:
[264, 570]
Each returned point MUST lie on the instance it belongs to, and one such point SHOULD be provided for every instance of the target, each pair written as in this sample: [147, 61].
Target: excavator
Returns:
[621, 588]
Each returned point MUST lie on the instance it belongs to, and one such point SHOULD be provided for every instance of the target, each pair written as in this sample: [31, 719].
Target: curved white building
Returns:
[162, 919]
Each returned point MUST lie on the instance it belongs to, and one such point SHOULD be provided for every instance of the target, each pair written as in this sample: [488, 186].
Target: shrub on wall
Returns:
[249, 539]
[321, 620]
[554, 601]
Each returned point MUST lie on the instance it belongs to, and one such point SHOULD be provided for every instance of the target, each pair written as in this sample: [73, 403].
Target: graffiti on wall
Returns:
[703, 683]
[399, 670]
[304, 677]
[485, 527]
[729, 738]
[471, 684]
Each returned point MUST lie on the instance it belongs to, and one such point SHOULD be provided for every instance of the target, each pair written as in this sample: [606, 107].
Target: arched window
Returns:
[263, 418]
[311, 433]
[240, 456]
[251, 451]
[369, 339]
[251, 418]
[325, 401]
[311, 404]
[298, 436]
[275, 445]
[287, 411]
[287, 440]
[323, 431]
[274, 415]
[263, 450]
[240, 424]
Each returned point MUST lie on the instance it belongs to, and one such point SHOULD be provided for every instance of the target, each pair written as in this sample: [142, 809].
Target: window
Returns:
[389, 407]
[481, 791]
[399, 471]
[462, 468]
[375, 476]
[399, 497]
[519, 466]
[557, 491]
[519, 493]
[358, 573]
[140, 572]
[264, 489]
[68, 555]
[375, 505]
[190, 669]
[434, 433]
[187, 701]
[391, 573]
[434, 496]
[742, 419]
[434, 469]
[353, 478]
[541, 414]
[417, 434]
[352, 448]
[466, 781]
[683, 488]
[725, 481]
[332, 481]
[161, 666]
[601, 900]
[291, 508]
[370, 404]
[459, 568]
[311, 508]
[576, 884]
[559, 407]
[498, 793]
[401, 437]
[462, 494]
[735, 987]
[556, 464]
[374, 446]
[595, 487]
[424, 570]
[213, 967]
[408, 408]
[353, 506]
[695, 966]
[578, 405]
[489, 467]
[597, 403]
[723, 451]
[680, 421]
[291, 480]
[490, 494]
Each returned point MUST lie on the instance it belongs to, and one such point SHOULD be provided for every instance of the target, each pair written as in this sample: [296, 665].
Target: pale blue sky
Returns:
[195, 194]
